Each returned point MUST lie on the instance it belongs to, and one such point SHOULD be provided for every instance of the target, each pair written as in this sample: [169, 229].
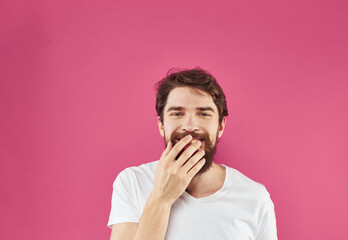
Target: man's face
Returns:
[190, 111]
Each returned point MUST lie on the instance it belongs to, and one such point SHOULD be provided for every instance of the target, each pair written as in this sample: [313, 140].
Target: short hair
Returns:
[194, 78]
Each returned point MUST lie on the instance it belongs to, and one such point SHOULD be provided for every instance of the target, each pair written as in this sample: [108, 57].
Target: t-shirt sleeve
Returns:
[268, 229]
[124, 206]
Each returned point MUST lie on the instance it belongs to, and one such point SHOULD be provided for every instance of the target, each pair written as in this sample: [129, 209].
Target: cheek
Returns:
[170, 128]
[168, 133]
[213, 137]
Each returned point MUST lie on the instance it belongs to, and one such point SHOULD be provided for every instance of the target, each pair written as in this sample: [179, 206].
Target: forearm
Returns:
[171, 179]
[154, 220]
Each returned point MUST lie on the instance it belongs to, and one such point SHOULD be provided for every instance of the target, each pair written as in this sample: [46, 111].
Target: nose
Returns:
[189, 124]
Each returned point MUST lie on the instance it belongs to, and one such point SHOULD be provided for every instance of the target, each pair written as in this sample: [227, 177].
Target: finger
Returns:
[188, 153]
[194, 170]
[165, 152]
[179, 146]
[168, 148]
[192, 161]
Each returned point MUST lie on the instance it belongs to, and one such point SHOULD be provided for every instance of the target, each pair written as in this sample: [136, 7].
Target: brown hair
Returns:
[195, 78]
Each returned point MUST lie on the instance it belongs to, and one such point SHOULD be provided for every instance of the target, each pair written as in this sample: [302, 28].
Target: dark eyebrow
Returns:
[206, 109]
[177, 108]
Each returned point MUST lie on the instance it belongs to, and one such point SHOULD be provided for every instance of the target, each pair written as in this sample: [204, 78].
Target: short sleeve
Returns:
[268, 229]
[124, 207]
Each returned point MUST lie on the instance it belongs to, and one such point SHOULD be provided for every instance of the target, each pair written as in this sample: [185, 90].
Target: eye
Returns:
[205, 114]
[175, 114]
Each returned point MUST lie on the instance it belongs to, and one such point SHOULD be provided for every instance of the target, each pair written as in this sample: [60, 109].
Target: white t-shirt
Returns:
[240, 210]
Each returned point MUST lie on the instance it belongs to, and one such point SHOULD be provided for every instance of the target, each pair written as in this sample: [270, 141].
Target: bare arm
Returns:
[171, 179]
[123, 231]
[153, 222]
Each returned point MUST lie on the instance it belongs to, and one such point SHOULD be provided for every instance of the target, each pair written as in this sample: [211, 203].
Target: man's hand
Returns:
[171, 179]
[173, 176]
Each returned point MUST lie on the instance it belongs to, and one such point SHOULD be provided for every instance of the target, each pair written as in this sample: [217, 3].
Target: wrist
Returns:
[159, 201]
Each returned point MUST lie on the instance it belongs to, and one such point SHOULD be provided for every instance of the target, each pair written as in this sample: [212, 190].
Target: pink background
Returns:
[77, 105]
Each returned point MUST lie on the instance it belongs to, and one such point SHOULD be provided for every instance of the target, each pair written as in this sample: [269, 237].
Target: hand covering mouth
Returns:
[200, 139]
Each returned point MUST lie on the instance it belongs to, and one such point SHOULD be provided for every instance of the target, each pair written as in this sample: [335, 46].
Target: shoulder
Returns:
[143, 169]
[142, 173]
[246, 185]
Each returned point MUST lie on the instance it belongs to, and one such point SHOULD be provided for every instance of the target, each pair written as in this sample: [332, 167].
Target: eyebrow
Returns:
[178, 108]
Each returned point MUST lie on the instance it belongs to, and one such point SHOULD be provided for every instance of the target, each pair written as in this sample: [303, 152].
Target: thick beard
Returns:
[209, 148]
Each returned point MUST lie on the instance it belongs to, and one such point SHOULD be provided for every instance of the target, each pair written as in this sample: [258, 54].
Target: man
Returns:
[185, 195]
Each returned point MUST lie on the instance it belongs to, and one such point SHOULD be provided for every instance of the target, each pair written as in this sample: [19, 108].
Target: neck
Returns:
[207, 183]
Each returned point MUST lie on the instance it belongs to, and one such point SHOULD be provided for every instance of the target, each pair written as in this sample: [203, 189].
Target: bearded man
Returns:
[185, 195]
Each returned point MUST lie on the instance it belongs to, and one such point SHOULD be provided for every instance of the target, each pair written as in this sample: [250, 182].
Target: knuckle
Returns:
[193, 161]
[189, 152]
[176, 149]
[160, 163]
[199, 165]
[185, 155]
[179, 145]
[198, 154]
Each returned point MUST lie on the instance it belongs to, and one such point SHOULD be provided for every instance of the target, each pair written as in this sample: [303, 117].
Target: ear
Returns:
[222, 127]
[160, 126]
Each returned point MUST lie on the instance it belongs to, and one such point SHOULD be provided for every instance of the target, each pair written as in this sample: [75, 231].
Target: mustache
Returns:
[198, 136]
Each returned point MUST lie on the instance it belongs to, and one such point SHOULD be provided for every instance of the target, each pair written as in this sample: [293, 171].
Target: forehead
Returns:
[189, 98]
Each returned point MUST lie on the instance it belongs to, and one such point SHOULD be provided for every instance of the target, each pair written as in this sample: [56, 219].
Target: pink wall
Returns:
[77, 105]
